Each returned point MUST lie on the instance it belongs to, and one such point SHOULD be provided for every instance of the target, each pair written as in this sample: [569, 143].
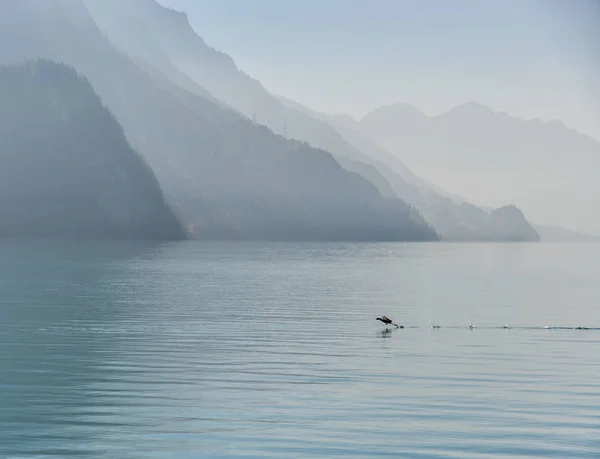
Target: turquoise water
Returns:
[189, 350]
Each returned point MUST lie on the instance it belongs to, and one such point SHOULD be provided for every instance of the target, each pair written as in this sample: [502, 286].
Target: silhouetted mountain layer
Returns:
[466, 222]
[452, 217]
[163, 38]
[228, 177]
[145, 30]
[543, 167]
[472, 135]
[66, 169]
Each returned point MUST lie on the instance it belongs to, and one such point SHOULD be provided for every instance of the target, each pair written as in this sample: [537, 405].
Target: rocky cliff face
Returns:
[66, 169]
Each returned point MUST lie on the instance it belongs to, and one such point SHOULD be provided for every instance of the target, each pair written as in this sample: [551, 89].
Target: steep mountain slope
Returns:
[543, 167]
[229, 177]
[163, 38]
[402, 181]
[66, 169]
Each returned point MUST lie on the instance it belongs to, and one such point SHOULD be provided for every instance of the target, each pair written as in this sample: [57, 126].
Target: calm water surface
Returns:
[198, 350]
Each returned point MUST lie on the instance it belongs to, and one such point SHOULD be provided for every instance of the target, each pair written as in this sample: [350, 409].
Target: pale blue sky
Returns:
[531, 58]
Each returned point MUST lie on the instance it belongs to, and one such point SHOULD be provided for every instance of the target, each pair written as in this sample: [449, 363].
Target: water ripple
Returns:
[271, 350]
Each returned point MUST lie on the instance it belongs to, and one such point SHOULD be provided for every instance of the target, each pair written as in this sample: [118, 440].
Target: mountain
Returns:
[452, 216]
[468, 223]
[66, 169]
[229, 177]
[542, 167]
[509, 220]
[162, 37]
[399, 176]
[147, 31]
[557, 234]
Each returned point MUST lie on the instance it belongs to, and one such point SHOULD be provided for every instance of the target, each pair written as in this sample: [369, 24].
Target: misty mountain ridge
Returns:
[472, 110]
[66, 169]
[189, 53]
[493, 156]
[228, 177]
[410, 115]
[454, 218]
[190, 111]
[218, 73]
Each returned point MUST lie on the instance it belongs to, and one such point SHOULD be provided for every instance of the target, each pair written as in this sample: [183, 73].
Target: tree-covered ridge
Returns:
[274, 188]
[66, 168]
[253, 184]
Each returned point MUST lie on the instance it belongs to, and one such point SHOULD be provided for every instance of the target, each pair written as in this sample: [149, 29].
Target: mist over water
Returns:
[272, 350]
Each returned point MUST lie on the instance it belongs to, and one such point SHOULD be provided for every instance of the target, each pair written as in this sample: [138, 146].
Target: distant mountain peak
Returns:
[511, 220]
[557, 124]
[510, 209]
[397, 109]
[471, 107]
[477, 109]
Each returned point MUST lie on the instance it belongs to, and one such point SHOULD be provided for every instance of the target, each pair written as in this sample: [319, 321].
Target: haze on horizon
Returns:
[529, 58]
[533, 59]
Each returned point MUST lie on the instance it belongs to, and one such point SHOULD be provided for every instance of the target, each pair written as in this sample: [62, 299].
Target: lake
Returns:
[258, 350]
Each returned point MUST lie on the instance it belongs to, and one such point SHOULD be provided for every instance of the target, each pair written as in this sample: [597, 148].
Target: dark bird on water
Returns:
[388, 321]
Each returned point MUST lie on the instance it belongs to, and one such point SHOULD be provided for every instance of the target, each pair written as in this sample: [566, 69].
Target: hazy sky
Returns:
[531, 58]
